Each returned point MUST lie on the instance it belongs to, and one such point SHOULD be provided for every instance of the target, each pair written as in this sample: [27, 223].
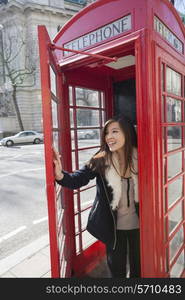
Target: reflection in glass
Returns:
[174, 110]
[87, 117]
[176, 243]
[162, 77]
[75, 202]
[87, 239]
[52, 81]
[175, 190]
[60, 211]
[77, 240]
[72, 140]
[84, 218]
[73, 161]
[54, 114]
[86, 97]
[175, 216]
[164, 170]
[71, 118]
[174, 164]
[164, 129]
[85, 155]
[174, 137]
[173, 82]
[76, 223]
[56, 140]
[163, 108]
[102, 100]
[165, 193]
[88, 138]
[70, 95]
[87, 197]
[178, 267]
[88, 134]
[103, 117]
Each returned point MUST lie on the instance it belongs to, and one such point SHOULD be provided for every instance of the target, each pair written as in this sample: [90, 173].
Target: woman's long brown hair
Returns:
[99, 162]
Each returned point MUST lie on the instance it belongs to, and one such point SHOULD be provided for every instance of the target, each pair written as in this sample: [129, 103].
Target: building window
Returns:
[81, 2]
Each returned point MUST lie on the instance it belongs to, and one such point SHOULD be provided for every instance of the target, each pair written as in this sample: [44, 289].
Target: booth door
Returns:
[172, 208]
[87, 111]
[51, 83]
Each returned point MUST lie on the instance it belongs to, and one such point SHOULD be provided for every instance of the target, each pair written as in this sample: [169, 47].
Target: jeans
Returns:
[128, 244]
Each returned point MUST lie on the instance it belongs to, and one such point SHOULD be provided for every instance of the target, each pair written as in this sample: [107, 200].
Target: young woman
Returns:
[113, 218]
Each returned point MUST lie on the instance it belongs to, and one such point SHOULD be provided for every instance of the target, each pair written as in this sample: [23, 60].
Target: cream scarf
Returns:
[114, 181]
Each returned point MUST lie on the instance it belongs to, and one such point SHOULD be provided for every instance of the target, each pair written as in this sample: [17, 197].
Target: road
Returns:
[23, 203]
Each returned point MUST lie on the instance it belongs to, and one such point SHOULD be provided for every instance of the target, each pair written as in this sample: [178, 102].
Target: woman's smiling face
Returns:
[114, 137]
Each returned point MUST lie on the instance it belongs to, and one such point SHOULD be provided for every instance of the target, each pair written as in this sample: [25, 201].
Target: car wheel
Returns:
[9, 143]
[36, 141]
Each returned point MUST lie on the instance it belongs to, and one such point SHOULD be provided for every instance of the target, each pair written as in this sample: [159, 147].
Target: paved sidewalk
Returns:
[32, 261]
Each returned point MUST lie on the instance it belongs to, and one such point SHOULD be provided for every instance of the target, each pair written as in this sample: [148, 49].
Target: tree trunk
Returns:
[17, 108]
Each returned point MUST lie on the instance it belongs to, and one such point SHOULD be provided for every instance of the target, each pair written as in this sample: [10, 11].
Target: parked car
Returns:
[23, 137]
[87, 134]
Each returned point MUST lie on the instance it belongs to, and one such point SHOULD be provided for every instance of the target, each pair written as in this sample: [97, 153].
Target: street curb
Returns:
[12, 260]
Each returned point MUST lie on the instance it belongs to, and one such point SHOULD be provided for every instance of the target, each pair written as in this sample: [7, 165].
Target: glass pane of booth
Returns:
[174, 137]
[86, 97]
[85, 155]
[174, 110]
[87, 117]
[54, 114]
[175, 190]
[71, 118]
[87, 239]
[53, 81]
[162, 78]
[175, 216]
[87, 197]
[70, 95]
[92, 135]
[176, 243]
[173, 82]
[102, 100]
[174, 164]
[56, 140]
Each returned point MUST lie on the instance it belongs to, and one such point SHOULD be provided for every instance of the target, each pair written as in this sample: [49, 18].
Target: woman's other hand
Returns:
[57, 165]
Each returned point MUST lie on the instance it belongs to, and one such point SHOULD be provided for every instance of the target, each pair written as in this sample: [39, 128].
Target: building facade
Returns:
[20, 93]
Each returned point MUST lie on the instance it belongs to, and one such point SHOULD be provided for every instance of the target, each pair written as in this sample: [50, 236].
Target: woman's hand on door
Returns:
[57, 165]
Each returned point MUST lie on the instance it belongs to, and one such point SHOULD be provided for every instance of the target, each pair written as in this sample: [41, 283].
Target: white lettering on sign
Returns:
[168, 35]
[106, 32]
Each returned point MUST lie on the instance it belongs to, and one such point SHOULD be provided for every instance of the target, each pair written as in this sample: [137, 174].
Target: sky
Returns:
[180, 5]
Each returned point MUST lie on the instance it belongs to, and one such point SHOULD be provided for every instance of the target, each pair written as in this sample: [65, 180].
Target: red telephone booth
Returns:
[117, 57]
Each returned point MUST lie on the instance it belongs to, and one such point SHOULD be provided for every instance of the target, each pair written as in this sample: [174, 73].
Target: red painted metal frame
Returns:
[45, 58]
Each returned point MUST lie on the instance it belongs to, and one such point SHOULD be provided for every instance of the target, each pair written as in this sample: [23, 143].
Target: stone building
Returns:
[19, 43]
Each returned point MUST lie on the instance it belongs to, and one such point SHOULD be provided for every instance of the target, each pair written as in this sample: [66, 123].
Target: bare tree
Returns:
[17, 63]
